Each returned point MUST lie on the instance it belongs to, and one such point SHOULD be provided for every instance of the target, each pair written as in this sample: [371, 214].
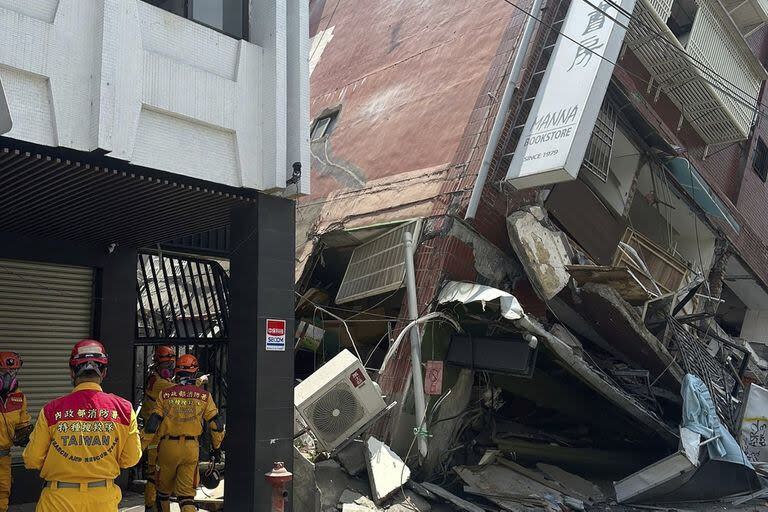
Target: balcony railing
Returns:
[708, 71]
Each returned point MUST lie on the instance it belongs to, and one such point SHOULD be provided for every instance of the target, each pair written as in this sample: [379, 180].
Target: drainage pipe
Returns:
[413, 312]
[501, 115]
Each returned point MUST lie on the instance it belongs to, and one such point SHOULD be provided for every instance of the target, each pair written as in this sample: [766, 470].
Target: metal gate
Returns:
[182, 301]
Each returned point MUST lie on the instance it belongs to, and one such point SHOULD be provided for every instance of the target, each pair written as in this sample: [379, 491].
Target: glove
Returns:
[21, 436]
[216, 455]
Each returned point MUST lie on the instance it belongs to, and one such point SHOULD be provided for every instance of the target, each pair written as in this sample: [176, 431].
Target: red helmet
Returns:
[10, 361]
[187, 363]
[88, 351]
[163, 354]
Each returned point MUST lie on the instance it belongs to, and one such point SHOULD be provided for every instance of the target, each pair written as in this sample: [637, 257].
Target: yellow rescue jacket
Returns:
[13, 417]
[154, 385]
[182, 411]
[85, 436]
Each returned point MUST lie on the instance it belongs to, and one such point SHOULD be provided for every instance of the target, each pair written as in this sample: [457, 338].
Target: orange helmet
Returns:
[88, 355]
[163, 354]
[10, 361]
[187, 363]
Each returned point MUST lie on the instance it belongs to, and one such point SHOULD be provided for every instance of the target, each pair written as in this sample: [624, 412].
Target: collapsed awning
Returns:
[455, 291]
[692, 182]
[510, 309]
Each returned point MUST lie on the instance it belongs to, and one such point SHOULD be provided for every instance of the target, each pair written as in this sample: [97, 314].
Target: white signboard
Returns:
[555, 137]
[754, 424]
[5, 114]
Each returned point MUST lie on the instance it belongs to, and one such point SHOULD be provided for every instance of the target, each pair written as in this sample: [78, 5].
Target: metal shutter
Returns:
[44, 309]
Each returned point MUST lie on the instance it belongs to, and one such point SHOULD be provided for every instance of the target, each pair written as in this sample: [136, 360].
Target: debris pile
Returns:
[608, 387]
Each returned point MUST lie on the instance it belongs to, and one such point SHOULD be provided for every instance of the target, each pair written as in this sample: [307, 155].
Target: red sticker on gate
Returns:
[275, 335]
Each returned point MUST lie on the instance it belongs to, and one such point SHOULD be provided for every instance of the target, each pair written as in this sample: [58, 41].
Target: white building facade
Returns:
[147, 86]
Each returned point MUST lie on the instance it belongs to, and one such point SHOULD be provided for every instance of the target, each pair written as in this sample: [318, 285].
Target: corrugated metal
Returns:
[53, 197]
[377, 266]
[44, 309]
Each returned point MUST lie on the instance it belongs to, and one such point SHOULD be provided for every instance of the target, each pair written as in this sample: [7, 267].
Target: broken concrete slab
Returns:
[332, 481]
[509, 489]
[354, 507]
[411, 502]
[460, 503]
[306, 495]
[449, 415]
[582, 486]
[621, 279]
[387, 472]
[563, 334]
[596, 380]
[350, 497]
[627, 337]
[352, 457]
[541, 250]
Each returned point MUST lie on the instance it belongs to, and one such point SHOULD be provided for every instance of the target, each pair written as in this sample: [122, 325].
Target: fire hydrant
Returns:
[278, 478]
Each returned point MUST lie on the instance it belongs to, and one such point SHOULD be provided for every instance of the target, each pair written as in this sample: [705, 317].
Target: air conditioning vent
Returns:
[377, 266]
[337, 400]
[334, 413]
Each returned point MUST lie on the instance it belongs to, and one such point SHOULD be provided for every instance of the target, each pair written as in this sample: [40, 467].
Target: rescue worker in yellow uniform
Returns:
[160, 378]
[16, 427]
[82, 440]
[177, 424]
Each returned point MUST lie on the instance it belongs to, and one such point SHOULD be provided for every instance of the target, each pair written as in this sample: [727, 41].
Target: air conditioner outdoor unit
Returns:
[337, 400]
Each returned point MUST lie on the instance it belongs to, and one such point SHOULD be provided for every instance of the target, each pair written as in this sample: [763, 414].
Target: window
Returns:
[226, 16]
[322, 126]
[681, 19]
[760, 159]
[597, 159]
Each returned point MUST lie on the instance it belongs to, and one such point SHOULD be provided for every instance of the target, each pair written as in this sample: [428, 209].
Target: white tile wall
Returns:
[158, 90]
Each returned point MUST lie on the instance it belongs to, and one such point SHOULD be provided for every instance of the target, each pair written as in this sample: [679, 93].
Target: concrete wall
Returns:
[157, 90]
[405, 75]
[755, 326]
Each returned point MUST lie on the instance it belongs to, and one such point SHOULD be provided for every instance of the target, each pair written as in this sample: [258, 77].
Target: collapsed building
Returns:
[567, 321]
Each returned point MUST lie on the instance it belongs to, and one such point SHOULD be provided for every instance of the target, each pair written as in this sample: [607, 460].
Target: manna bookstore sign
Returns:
[558, 129]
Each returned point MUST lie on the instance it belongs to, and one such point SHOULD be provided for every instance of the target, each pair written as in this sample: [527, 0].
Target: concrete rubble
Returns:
[541, 250]
[611, 349]
[387, 472]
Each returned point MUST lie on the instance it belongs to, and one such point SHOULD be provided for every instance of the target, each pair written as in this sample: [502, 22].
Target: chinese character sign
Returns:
[754, 424]
[554, 140]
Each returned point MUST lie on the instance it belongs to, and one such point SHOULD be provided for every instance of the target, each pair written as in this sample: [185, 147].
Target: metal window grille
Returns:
[600, 149]
[691, 351]
[181, 298]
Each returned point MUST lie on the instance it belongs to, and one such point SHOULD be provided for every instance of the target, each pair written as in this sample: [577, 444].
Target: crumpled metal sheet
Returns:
[455, 291]
[722, 470]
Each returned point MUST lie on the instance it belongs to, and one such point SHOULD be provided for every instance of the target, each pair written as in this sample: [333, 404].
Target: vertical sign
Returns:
[275, 335]
[559, 126]
[433, 378]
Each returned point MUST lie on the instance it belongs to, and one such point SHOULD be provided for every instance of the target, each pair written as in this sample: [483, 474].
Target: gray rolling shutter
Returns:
[44, 309]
